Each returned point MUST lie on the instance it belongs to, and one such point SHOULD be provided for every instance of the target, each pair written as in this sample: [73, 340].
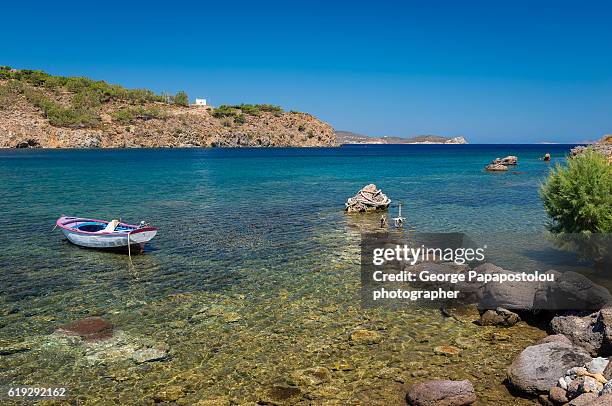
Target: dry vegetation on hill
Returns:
[42, 110]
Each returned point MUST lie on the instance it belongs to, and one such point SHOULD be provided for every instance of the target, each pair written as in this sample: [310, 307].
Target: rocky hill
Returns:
[603, 146]
[347, 137]
[41, 110]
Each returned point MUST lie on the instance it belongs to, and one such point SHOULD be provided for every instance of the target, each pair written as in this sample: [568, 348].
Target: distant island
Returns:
[347, 137]
[39, 110]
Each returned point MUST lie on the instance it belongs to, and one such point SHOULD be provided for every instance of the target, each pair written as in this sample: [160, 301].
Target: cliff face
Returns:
[123, 123]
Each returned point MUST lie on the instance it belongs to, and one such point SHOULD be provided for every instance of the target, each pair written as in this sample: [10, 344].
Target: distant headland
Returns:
[347, 137]
[38, 110]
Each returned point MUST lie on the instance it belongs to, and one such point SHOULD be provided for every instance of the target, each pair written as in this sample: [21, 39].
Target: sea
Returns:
[252, 282]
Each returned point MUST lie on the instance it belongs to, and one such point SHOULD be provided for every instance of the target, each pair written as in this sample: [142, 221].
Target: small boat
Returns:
[102, 234]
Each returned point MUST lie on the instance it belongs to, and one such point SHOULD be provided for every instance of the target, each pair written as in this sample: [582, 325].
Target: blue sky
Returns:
[521, 71]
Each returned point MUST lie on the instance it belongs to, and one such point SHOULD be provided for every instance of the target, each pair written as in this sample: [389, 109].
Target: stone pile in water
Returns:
[501, 164]
[368, 199]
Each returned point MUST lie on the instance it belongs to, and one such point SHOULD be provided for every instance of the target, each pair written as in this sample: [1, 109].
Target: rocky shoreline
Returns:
[569, 366]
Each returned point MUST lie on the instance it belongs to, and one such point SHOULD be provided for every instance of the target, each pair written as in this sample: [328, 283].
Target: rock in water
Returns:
[366, 337]
[539, 367]
[90, 328]
[368, 199]
[499, 317]
[496, 168]
[149, 354]
[441, 393]
[509, 160]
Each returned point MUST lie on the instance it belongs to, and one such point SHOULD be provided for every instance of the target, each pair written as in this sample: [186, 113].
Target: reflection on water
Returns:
[254, 275]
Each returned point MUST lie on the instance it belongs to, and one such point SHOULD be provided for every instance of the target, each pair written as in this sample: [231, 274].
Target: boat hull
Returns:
[108, 241]
[123, 236]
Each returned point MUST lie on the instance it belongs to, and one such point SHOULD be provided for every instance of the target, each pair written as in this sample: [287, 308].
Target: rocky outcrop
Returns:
[539, 367]
[441, 393]
[603, 146]
[496, 168]
[368, 199]
[509, 160]
[22, 125]
[592, 332]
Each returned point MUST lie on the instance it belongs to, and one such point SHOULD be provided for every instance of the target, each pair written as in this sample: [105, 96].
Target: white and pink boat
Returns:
[101, 234]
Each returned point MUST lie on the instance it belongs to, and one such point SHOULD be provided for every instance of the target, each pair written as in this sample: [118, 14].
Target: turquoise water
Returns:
[253, 243]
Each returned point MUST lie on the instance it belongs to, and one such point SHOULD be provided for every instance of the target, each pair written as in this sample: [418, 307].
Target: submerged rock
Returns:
[441, 393]
[538, 367]
[447, 350]
[369, 198]
[10, 349]
[149, 354]
[311, 376]
[281, 394]
[366, 337]
[90, 329]
[169, 393]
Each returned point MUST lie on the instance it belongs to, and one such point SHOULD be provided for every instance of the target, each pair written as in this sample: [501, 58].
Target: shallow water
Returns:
[255, 272]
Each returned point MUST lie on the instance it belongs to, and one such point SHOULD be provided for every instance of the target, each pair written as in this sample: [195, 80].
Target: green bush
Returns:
[228, 110]
[130, 114]
[181, 99]
[578, 197]
[59, 115]
[240, 119]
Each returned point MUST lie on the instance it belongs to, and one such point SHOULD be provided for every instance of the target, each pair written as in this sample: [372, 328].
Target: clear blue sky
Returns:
[492, 71]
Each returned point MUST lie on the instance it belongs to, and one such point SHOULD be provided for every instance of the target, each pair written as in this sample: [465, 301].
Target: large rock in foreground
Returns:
[441, 393]
[592, 332]
[539, 367]
[368, 199]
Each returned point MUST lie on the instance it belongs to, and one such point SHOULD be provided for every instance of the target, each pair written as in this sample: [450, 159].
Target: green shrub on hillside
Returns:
[130, 114]
[226, 110]
[103, 91]
[60, 116]
[181, 99]
[578, 197]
